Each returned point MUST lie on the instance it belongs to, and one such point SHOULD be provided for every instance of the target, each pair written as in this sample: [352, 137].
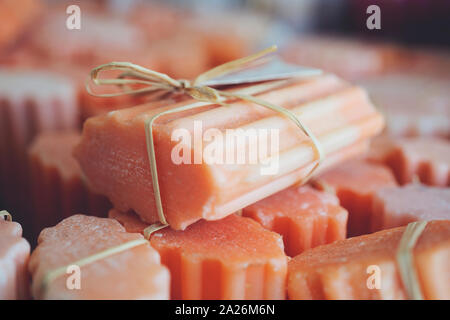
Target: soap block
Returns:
[232, 258]
[414, 104]
[101, 37]
[304, 217]
[33, 101]
[398, 206]
[346, 269]
[338, 55]
[14, 255]
[422, 158]
[340, 115]
[16, 20]
[57, 186]
[134, 273]
[355, 183]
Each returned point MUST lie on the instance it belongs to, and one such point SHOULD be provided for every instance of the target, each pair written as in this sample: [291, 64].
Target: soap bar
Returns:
[422, 158]
[232, 258]
[414, 105]
[355, 183]
[16, 20]
[14, 254]
[100, 38]
[346, 269]
[304, 217]
[338, 55]
[394, 207]
[113, 153]
[134, 273]
[57, 187]
[33, 101]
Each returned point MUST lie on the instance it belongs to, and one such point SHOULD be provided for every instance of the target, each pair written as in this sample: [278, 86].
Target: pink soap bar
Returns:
[135, 273]
[395, 207]
[414, 105]
[425, 159]
[100, 36]
[304, 217]
[32, 102]
[347, 58]
[57, 187]
[231, 258]
[348, 269]
[355, 183]
[14, 254]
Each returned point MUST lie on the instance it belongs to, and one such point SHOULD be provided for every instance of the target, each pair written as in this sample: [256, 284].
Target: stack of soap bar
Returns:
[57, 188]
[414, 105]
[426, 159]
[14, 254]
[113, 153]
[32, 102]
[232, 258]
[394, 207]
[134, 273]
[304, 217]
[355, 183]
[346, 269]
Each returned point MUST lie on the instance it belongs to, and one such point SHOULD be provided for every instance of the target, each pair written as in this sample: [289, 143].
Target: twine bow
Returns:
[151, 81]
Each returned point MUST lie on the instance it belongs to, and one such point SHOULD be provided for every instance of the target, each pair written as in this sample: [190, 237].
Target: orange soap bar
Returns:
[427, 159]
[15, 19]
[394, 207]
[304, 217]
[114, 158]
[342, 270]
[100, 38]
[414, 105]
[32, 102]
[232, 258]
[14, 254]
[134, 273]
[338, 55]
[354, 183]
[57, 187]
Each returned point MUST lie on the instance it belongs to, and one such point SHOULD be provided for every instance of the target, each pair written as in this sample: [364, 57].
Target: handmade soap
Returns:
[232, 258]
[32, 102]
[100, 39]
[346, 269]
[355, 182]
[113, 152]
[133, 272]
[338, 55]
[57, 187]
[414, 105]
[14, 254]
[303, 216]
[422, 158]
[395, 207]
[16, 20]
